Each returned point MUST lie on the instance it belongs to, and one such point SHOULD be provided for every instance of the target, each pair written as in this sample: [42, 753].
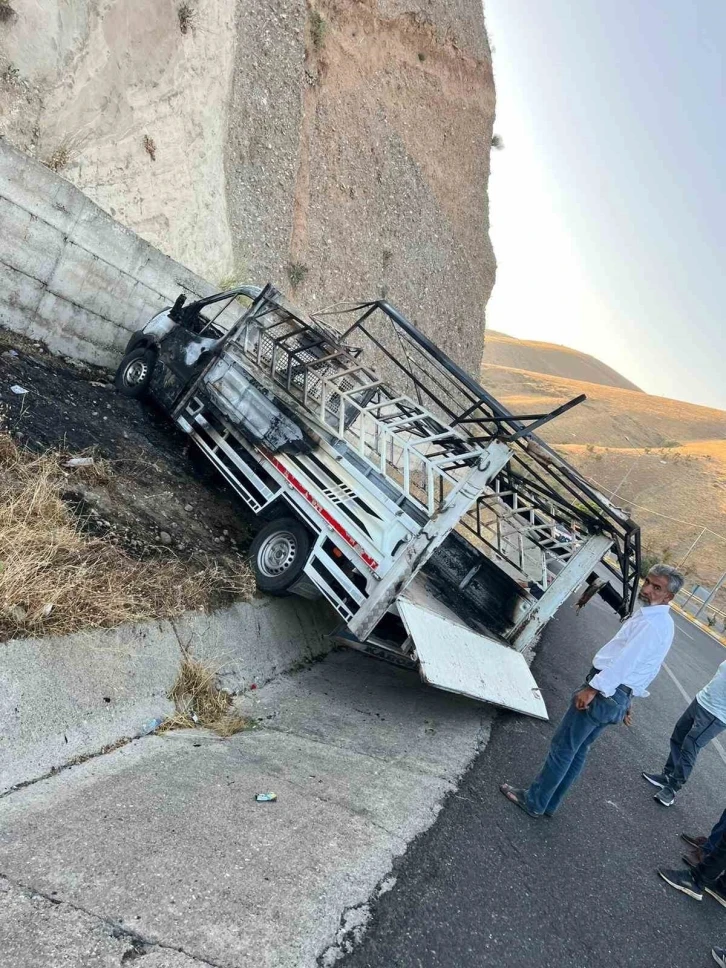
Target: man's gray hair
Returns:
[675, 578]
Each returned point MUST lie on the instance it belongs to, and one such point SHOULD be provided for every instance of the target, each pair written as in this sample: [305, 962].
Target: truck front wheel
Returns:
[279, 553]
[134, 373]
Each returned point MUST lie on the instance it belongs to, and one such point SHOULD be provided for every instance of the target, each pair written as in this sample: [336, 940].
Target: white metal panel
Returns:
[454, 658]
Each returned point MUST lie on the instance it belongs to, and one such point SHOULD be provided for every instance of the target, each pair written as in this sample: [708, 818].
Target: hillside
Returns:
[550, 359]
[664, 459]
[610, 417]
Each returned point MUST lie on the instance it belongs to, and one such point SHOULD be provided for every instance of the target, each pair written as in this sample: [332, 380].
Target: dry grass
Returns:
[56, 580]
[60, 157]
[200, 702]
[187, 17]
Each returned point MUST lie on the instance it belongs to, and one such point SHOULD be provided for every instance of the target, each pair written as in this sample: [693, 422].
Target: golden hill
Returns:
[551, 359]
[610, 416]
[665, 460]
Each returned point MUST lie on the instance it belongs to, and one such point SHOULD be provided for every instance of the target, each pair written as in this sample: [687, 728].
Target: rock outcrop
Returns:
[339, 149]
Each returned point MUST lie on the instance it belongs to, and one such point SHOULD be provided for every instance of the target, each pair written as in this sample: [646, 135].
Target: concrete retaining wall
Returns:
[70, 275]
[70, 696]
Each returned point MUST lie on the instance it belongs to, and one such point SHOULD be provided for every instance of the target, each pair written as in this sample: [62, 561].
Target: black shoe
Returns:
[719, 956]
[657, 779]
[696, 842]
[666, 797]
[716, 891]
[682, 881]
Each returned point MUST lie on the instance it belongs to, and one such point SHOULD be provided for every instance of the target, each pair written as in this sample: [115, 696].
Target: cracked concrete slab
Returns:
[164, 837]
[35, 930]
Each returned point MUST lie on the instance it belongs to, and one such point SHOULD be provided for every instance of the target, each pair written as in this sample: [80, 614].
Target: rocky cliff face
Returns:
[339, 149]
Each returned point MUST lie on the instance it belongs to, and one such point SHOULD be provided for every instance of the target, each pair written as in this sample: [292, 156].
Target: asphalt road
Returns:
[489, 886]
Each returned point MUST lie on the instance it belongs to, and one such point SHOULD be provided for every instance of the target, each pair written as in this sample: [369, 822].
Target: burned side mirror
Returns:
[175, 311]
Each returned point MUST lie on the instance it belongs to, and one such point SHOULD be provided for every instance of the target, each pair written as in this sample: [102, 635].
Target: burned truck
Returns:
[441, 529]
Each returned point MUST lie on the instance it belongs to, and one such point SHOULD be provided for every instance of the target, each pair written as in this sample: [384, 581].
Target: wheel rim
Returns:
[277, 554]
[135, 373]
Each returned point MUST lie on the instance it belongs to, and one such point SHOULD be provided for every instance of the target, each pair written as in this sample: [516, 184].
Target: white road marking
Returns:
[688, 634]
[719, 748]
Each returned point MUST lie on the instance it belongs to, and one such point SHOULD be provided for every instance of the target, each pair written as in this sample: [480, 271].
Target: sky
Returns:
[608, 200]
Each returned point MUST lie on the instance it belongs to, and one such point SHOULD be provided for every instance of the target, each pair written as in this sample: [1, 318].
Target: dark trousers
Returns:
[694, 730]
[719, 830]
[712, 866]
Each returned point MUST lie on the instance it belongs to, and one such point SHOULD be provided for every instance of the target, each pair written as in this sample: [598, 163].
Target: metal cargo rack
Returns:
[428, 431]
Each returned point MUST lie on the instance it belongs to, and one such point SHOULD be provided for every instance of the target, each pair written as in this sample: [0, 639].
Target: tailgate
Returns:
[454, 658]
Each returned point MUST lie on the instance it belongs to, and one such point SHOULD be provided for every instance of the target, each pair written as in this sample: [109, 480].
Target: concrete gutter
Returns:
[160, 848]
[65, 698]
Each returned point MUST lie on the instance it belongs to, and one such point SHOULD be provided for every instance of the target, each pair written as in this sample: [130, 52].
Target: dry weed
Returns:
[296, 273]
[56, 580]
[60, 157]
[187, 17]
[149, 147]
[318, 29]
[200, 701]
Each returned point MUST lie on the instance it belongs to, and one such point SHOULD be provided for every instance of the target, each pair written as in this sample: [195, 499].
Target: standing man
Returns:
[624, 667]
[704, 719]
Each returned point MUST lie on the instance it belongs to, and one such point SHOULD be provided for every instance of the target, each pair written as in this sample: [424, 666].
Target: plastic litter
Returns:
[266, 797]
[11, 353]
[79, 462]
[19, 390]
[151, 726]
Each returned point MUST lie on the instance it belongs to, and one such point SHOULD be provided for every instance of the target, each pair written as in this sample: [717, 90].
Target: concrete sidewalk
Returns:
[160, 851]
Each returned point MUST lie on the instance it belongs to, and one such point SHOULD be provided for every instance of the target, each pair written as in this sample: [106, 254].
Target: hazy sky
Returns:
[608, 202]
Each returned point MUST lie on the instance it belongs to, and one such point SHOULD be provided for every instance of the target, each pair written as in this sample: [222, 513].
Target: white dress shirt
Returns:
[634, 656]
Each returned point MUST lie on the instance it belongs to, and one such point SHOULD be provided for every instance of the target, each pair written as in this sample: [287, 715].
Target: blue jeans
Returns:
[715, 836]
[568, 750]
[692, 732]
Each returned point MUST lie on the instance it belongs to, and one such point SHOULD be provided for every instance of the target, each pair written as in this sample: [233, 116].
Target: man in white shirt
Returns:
[704, 719]
[623, 668]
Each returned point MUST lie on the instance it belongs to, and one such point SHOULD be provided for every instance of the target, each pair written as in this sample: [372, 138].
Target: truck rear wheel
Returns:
[134, 373]
[279, 554]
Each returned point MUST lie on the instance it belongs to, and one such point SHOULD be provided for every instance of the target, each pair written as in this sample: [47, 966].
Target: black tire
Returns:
[134, 373]
[279, 554]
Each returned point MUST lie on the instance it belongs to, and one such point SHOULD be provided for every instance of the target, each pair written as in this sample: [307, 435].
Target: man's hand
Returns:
[628, 720]
[584, 697]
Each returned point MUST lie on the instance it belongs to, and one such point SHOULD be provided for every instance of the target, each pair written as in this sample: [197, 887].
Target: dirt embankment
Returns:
[146, 530]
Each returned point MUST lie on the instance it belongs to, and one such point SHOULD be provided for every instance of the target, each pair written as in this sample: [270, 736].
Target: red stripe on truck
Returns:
[325, 515]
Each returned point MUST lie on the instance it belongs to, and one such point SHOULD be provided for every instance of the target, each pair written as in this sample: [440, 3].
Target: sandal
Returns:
[518, 797]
